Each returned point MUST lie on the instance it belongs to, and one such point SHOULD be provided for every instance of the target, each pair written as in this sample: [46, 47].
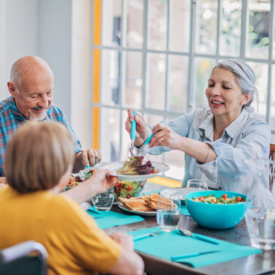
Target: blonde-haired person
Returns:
[39, 161]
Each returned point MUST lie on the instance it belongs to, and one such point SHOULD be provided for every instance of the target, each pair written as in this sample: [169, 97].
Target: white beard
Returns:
[37, 118]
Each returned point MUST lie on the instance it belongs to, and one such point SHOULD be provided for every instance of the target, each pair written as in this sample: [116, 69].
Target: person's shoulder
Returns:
[257, 123]
[55, 113]
[5, 105]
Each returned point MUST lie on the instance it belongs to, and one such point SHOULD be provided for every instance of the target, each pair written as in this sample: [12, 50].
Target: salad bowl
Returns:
[216, 216]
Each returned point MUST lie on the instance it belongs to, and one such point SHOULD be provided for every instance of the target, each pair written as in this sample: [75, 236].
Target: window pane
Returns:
[261, 72]
[258, 30]
[272, 110]
[153, 120]
[203, 69]
[155, 90]
[206, 26]
[134, 23]
[177, 86]
[133, 86]
[179, 26]
[231, 21]
[110, 134]
[110, 77]
[111, 22]
[157, 25]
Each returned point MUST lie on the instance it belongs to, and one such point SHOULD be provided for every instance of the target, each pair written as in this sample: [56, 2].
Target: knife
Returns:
[188, 255]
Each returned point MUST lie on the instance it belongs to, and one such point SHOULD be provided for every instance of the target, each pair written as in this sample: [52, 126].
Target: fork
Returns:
[140, 237]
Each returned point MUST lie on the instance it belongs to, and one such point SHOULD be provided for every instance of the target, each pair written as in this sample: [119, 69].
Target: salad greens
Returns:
[211, 199]
[128, 189]
[135, 167]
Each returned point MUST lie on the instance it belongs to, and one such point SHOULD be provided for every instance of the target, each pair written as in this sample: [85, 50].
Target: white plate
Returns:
[141, 213]
[114, 166]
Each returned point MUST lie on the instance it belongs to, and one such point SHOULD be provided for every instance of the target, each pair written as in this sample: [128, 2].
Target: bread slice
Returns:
[135, 204]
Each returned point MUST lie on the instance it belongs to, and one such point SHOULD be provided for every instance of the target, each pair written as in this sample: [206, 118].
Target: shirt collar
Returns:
[16, 113]
[207, 126]
[233, 129]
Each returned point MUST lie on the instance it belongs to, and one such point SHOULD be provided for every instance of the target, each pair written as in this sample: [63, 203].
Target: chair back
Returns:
[16, 259]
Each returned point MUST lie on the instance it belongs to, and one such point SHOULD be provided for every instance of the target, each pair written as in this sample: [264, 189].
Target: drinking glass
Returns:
[103, 201]
[260, 204]
[196, 185]
[168, 210]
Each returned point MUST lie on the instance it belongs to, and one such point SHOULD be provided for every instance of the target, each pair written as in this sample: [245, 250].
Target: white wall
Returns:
[19, 30]
[55, 46]
[81, 71]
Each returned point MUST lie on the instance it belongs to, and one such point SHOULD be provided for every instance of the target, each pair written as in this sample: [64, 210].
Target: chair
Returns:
[16, 259]
[272, 152]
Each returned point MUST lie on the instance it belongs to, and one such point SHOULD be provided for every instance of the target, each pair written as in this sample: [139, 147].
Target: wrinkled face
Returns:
[224, 94]
[34, 94]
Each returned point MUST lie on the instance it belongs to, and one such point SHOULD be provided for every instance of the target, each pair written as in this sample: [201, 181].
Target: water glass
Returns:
[168, 210]
[196, 185]
[260, 204]
[103, 201]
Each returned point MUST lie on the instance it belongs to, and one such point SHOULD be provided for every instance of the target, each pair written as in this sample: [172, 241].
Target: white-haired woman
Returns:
[226, 135]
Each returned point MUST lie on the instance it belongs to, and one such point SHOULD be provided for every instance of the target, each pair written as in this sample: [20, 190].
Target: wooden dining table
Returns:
[263, 263]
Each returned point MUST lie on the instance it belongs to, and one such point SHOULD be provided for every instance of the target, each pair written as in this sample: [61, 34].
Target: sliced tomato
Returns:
[201, 198]
[117, 190]
[239, 199]
[225, 196]
[128, 196]
[129, 188]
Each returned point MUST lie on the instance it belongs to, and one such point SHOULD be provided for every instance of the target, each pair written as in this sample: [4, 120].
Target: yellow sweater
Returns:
[72, 239]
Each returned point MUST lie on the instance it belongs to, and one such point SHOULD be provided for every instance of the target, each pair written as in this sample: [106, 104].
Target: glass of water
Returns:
[260, 204]
[196, 185]
[103, 201]
[169, 209]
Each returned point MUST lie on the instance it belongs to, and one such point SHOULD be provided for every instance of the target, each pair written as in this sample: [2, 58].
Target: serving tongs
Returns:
[133, 137]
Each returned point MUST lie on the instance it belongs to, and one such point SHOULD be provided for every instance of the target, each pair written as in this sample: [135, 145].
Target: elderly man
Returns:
[31, 88]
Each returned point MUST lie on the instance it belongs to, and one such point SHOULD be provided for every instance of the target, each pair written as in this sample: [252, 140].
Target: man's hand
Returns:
[84, 158]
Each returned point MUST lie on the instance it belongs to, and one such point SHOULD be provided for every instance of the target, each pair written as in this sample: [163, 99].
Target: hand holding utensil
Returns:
[133, 136]
[188, 233]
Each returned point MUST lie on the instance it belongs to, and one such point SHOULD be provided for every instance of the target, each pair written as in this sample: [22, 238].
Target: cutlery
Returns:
[188, 233]
[145, 150]
[188, 255]
[140, 237]
[93, 211]
[133, 136]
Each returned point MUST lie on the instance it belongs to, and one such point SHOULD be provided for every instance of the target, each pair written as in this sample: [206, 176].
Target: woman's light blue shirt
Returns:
[247, 137]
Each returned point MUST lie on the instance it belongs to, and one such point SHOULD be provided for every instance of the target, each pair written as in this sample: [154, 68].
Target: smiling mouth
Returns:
[217, 102]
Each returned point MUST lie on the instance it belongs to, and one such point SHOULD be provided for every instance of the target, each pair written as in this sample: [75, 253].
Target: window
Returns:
[156, 56]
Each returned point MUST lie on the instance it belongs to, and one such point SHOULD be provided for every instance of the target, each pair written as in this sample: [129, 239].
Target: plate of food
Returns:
[76, 179]
[136, 169]
[144, 206]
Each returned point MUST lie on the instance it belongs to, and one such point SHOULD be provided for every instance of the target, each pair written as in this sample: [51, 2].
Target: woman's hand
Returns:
[126, 241]
[101, 181]
[141, 128]
[164, 136]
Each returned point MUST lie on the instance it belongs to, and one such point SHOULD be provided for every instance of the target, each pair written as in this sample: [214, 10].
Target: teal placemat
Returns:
[111, 219]
[171, 244]
[184, 209]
